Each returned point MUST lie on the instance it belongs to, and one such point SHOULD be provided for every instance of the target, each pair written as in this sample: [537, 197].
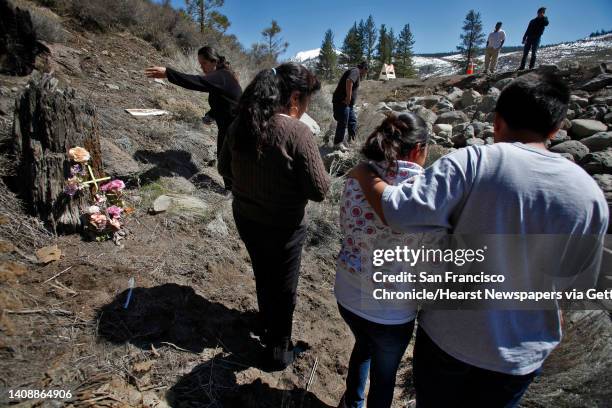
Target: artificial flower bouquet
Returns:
[102, 219]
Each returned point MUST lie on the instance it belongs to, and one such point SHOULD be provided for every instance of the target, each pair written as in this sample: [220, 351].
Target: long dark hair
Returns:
[395, 137]
[268, 93]
[211, 54]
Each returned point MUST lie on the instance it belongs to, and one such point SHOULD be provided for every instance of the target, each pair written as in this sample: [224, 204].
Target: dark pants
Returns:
[531, 44]
[220, 140]
[275, 256]
[443, 381]
[378, 350]
[345, 116]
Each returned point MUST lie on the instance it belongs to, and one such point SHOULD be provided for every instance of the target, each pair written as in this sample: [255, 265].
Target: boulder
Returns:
[566, 124]
[568, 157]
[502, 83]
[573, 147]
[478, 127]
[443, 105]
[598, 162]
[117, 163]
[474, 141]
[597, 112]
[548, 69]
[582, 102]
[488, 132]
[179, 203]
[608, 118]
[428, 101]
[443, 127]
[571, 114]
[582, 128]
[487, 104]
[460, 128]
[560, 137]
[398, 106]
[382, 107]
[311, 123]
[493, 91]
[454, 94]
[470, 97]
[426, 114]
[597, 83]
[18, 44]
[599, 141]
[452, 118]
[217, 227]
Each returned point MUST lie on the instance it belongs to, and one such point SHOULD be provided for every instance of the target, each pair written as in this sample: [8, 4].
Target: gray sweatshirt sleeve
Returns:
[433, 199]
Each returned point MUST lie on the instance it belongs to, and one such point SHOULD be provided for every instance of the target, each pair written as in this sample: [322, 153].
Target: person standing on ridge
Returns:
[494, 43]
[220, 83]
[532, 36]
[344, 102]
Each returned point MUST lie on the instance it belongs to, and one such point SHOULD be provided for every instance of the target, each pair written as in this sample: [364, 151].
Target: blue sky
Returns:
[436, 24]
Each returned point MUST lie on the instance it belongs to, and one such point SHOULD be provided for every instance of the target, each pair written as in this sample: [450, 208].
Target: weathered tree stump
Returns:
[48, 122]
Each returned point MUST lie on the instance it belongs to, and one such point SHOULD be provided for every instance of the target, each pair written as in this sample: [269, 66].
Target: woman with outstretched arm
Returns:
[218, 81]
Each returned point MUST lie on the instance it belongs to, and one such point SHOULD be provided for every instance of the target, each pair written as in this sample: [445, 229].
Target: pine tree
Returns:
[403, 53]
[391, 44]
[383, 47]
[327, 65]
[368, 35]
[472, 37]
[352, 47]
[274, 44]
[202, 12]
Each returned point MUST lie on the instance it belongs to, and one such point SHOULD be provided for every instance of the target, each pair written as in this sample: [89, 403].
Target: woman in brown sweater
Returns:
[275, 167]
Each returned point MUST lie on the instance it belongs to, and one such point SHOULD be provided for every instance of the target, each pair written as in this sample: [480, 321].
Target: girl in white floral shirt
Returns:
[397, 150]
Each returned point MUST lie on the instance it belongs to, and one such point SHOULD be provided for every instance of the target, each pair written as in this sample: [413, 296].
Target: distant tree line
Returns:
[364, 41]
[600, 32]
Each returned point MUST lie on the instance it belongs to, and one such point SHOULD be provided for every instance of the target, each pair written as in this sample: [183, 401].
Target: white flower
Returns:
[94, 209]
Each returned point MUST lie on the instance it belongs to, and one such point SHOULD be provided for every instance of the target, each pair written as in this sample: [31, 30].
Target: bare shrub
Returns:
[181, 108]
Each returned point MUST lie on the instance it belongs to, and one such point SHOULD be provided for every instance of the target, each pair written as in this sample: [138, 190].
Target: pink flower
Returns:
[114, 186]
[100, 198]
[114, 211]
[98, 220]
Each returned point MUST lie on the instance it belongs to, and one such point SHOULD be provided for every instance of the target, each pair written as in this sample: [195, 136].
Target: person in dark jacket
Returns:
[532, 36]
[275, 166]
[218, 81]
[344, 101]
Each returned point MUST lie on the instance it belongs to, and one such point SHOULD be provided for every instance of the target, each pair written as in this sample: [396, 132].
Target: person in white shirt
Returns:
[494, 43]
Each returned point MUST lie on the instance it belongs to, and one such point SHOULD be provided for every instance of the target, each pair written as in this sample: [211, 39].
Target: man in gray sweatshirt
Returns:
[487, 357]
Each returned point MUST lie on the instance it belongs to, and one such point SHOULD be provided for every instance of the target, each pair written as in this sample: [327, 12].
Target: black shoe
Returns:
[283, 354]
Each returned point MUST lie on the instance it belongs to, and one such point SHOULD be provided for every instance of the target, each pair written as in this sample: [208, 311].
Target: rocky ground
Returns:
[184, 339]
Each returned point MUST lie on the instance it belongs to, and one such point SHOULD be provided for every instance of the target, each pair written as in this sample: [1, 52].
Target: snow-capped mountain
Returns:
[309, 58]
[593, 49]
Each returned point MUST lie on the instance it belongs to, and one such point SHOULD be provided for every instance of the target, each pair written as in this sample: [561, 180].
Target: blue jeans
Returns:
[441, 380]
[345, 116]
[533, 44]
[378, 351]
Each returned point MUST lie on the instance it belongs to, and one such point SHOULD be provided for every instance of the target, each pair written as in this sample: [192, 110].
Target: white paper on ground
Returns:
[147, 112]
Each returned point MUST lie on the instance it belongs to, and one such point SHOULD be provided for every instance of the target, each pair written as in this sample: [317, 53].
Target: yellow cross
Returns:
[94, 180]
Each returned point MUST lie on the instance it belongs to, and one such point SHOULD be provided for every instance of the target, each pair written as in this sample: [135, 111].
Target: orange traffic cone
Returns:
[470, 68]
